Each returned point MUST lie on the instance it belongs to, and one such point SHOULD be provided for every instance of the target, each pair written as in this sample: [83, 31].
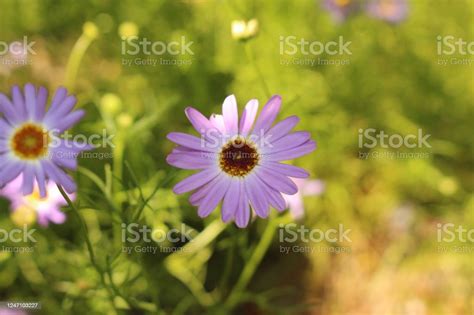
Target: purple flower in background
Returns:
[392, 11]
[11, 311]
[341, 9]
[29, 138]
[306, 187]
[47, 209]
[240, 161]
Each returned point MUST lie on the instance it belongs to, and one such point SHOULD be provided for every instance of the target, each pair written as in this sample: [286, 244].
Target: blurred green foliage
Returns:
[393, 83]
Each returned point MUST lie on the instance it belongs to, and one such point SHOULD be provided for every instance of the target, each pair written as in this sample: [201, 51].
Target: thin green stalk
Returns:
[145, 202]
[251, 57]
[117, 168]
[88, 244]
[252, 265]
[78, 52]
[146, 306]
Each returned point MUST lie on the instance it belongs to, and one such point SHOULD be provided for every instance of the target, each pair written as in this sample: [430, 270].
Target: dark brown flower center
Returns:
[238, 157]
[30, 142]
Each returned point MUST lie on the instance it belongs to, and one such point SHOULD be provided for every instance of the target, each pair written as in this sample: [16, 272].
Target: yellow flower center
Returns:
[238, 157]
[30, 142]
[23, 215]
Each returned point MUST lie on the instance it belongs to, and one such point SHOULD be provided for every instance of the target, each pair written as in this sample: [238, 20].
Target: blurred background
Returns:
[395, 79]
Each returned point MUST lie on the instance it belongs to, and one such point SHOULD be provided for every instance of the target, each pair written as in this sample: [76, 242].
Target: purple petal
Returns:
[218, 122]
[293, 153]
[19, 101]
[282, 128]
[200, 122]
[268, 115]
[248, 117]
[277, 181]
[64, 158]
[10, 170]
[231, 200]
[30, 100]
[58, 98]
[242, 214]
[286, 169]
[192, 142]
[287, 142]
[28, 180]
[41, 180]
[194, 181]
[6, 107]
[41, 99]
[192, 160]
[215, 195]
[254, 189]
[5, 129]
[231, 115]
[196, 198]
[56, 216]
[4, 146]
[68, 121]
[275, 198]
[58, 176]
[57, 113]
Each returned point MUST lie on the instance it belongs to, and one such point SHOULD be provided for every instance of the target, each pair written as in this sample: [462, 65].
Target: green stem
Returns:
[88, 244]
[74, 61]
[252, 265]
[117, 168]
[251, 57]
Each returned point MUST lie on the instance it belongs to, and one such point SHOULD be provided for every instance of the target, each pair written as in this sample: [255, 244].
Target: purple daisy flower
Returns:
[29, 138]
[341, 9]
[306, 187]
[392, 11]
[240, 161]
[47, 209]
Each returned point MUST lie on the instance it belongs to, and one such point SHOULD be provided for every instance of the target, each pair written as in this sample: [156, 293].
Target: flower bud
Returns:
[128, 29]
[90, 30]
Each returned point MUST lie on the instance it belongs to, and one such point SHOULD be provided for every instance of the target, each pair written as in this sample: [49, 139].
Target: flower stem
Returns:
[83, 227]
[251, 57]
[252, 265]
[75, 58]
[88, 244]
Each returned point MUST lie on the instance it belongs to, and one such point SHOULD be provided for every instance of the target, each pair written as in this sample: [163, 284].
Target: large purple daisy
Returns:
[29, 138]
[240, 162]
